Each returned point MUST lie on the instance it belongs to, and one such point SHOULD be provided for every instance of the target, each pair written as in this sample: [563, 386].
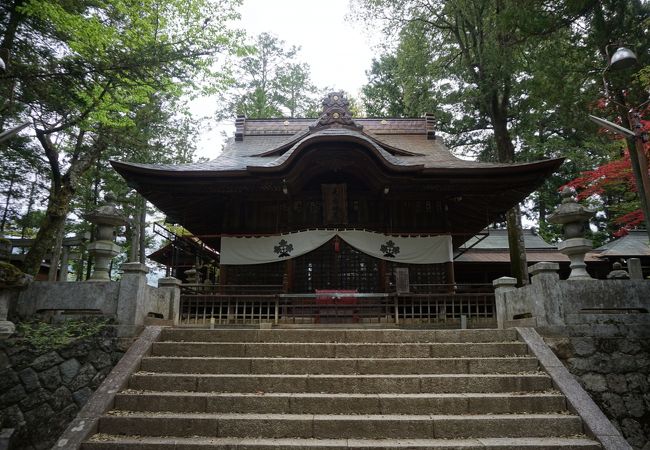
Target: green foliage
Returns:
[104, 79]
[44, 336]
[270, 82]
[510, 80]
[383, 95]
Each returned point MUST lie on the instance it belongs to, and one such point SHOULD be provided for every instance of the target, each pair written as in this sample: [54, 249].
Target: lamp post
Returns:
[635, 139]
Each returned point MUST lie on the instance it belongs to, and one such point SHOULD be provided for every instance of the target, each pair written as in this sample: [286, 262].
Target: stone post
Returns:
[174, 286]
[545, 297]
[574, 218]
[501, 286]
[634, 269]
[5, 249]
[104, 249]
[5, 437]
[11, 280]
[132, 298]
[544, 271]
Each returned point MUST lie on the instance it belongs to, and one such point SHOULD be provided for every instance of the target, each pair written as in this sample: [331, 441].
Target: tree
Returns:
[609, 183]
[271, 82]
[79, 68]
[480, 49]
[296, 91]
[383, 95]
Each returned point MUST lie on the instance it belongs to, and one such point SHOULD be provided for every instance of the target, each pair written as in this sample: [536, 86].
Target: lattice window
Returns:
[336, 265]
[424, 275]
[252, 274]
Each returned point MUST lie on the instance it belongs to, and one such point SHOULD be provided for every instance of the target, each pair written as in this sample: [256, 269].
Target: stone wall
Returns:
[611, 359]
[128, 301]
[41, 391]
[600, 329]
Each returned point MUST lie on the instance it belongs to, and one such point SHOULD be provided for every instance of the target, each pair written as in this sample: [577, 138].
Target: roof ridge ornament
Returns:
[336, 112]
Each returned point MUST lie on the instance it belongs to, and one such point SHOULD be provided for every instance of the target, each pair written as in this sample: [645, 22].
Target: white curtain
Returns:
[412, 250]
[267, 249]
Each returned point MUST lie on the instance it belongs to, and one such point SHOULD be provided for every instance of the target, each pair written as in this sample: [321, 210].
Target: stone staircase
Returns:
[339, 389]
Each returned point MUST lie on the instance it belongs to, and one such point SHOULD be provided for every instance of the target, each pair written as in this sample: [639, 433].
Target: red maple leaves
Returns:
[617, 177]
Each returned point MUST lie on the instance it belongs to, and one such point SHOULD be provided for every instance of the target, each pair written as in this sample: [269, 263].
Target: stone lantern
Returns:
[104, 249]
[574, 219]
[12, 279]
[5, 249]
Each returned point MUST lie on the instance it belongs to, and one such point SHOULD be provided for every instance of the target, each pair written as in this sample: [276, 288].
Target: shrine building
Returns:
[335, 203]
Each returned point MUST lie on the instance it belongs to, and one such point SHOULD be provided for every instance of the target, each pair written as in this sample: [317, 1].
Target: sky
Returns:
[338, 51]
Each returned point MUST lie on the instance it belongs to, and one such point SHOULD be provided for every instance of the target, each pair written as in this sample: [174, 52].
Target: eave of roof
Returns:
[633, 244]
[503, 256]
[329, 135]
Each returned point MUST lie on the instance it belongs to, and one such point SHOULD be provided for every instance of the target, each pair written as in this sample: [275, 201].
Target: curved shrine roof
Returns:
[269, 157]
[268, 143]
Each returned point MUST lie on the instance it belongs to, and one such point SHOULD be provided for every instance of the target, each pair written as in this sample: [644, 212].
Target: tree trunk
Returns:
[56, 254]
[55, 215]
[132, 233]
[142, 230]
[62, 189]
[506, 154]
[541, 206]
[89, 266]
[10, 192]
[80, 265]
[30, 205]
[518, 262]
[9, 36]
[7, 45]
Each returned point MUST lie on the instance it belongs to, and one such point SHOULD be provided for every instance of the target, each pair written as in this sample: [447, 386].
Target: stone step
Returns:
[339, 350]
[304, 403]
[111, 442]
[337, 335]
[365, 384]
[325, 426]
[338, 365]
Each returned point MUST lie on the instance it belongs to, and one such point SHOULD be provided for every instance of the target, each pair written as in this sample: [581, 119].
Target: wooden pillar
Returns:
[288, 276]
[451, 280]
[383, 285]
[223, 277]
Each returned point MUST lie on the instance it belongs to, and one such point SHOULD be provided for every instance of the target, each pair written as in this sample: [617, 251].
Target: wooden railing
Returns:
[203, 305]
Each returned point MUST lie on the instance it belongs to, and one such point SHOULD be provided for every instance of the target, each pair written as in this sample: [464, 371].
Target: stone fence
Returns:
[551, 302]
[600, 330]
[129, 301]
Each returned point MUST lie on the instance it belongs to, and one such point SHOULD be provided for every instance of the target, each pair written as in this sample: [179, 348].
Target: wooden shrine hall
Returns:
[300, 207]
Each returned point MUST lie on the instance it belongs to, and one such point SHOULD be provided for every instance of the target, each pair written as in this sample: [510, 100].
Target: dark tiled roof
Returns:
[498, 239]
[495, 249]
[393, 141]
[287, 127]
[503, 256]
[633, 244]
[532, 257]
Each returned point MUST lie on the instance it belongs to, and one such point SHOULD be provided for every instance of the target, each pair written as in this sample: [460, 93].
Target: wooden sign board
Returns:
[402, 283]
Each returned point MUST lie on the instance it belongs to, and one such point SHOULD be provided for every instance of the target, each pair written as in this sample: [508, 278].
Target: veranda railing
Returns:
[205, 305]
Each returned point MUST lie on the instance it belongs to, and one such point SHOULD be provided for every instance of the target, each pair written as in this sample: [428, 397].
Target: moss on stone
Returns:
[12, 276]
